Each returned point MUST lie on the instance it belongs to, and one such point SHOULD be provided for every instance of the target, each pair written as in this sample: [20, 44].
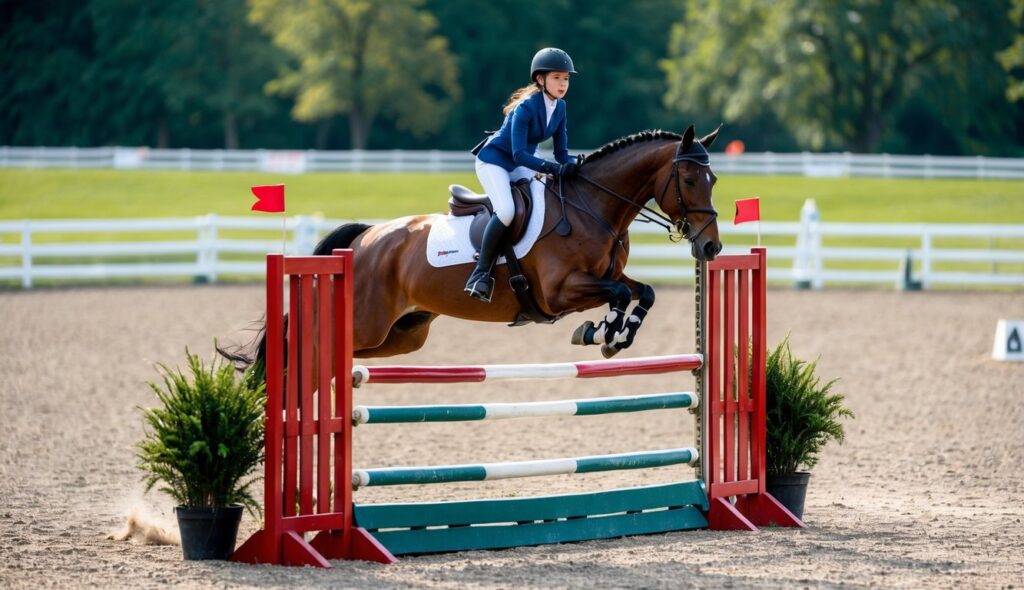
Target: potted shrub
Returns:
[802, 416]
[202, 445]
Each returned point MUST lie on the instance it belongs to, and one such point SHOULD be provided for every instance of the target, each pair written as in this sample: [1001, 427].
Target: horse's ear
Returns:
[687, 140]
[709, 139]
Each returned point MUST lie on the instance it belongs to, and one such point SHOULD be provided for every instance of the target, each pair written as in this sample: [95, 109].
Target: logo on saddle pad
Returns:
[446, 252]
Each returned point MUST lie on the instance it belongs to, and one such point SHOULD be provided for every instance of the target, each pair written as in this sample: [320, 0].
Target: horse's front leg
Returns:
[618, 330]
[645, 294]
[582, 291]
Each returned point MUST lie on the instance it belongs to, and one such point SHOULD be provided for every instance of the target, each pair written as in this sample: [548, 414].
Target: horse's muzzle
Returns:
[705, 249]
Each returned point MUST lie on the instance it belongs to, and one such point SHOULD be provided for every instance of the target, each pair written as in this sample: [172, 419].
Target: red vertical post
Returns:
[291, 400]
[744, 406]
[713, 467]
[759, 286]
[728, 357]
[306, 385]
[343, 361]
[324, 418]
[275, 383]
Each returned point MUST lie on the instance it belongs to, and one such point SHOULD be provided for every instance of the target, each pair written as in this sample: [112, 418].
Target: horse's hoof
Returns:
[609, 350]
[580, 335]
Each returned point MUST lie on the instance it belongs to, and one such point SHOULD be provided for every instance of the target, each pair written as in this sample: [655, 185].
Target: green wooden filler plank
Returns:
[513, 522]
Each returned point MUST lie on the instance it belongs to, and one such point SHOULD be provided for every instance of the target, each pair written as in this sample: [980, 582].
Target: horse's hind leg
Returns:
[407, 334]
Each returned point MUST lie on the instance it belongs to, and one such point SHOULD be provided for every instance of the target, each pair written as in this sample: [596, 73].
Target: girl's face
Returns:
[556, 83]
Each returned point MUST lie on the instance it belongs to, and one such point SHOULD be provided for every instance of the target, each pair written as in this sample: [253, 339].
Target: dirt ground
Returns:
[926, 492]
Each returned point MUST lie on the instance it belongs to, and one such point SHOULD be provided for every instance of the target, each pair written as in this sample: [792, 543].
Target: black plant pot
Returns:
[208, 533]
[790, 489]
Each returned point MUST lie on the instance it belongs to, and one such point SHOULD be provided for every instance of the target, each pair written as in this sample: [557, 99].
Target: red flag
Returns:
[747, 210]
[269, 198]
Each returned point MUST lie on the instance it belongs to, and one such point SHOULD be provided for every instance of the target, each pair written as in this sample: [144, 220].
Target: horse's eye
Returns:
[690, 182]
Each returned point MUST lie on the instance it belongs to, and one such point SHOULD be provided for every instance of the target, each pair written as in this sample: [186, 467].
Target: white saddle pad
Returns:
[448, 242]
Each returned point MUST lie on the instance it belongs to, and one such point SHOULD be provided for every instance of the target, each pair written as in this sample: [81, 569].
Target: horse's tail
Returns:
[341, 237]
[249, 355]
[254, 354]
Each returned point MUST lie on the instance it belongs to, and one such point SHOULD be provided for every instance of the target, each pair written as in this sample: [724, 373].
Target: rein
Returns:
[681, 227]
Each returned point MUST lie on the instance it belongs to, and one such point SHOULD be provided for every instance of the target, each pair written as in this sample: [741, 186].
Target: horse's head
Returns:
[685, 184]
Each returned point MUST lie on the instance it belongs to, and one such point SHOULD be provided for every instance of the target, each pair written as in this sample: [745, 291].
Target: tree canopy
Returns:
[848, 74]
[362, 59]
[933, 76]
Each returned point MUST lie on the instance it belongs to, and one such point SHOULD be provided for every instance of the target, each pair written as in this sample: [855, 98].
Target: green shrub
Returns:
[207, 439]
[802, 412]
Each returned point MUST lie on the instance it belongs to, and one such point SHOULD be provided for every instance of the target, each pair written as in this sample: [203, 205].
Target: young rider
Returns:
[532, 114]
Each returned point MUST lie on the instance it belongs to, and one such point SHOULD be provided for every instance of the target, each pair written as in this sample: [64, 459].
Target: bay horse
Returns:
[398, 293]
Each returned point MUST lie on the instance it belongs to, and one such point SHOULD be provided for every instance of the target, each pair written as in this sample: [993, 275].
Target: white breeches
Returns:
[496, 181]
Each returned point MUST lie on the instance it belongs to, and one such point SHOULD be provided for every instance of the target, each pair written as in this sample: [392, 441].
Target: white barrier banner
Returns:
[288, 162]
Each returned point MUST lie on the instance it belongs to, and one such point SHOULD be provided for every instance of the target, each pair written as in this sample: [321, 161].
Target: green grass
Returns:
[83, 194]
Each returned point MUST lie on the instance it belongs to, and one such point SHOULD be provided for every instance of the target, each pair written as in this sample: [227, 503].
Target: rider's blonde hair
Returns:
[519, 96]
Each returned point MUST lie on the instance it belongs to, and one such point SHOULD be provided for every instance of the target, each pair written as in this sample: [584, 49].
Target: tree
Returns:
[362, 59]
[219, 62]
[44, 48]
[185, 64]
[838, 72]
[1012, 57]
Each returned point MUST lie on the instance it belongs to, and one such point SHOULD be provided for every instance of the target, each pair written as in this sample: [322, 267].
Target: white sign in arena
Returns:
[1009, 341]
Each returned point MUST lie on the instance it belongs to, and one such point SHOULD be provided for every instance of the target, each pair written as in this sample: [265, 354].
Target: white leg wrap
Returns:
[601, 332]
[632, 323]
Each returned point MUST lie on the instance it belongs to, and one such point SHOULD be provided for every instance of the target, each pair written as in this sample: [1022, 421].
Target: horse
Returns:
[398, 294]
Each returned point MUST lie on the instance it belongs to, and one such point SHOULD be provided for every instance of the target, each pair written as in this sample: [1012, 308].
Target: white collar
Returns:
[550, 102]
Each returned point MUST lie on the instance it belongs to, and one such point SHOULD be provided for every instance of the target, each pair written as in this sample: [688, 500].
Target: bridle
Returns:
[682, 226]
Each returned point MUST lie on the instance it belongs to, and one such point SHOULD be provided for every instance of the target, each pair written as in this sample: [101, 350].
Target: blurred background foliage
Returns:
[912, 76]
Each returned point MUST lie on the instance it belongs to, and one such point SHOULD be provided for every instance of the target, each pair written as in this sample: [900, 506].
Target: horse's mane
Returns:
[624, 142]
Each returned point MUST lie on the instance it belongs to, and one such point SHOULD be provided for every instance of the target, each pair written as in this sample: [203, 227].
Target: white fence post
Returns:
[210, 247]
[304, 236]
[926, 259]
[26, 254]
[807, 259]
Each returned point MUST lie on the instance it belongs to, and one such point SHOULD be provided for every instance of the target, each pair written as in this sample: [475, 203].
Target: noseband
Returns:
[700, 157]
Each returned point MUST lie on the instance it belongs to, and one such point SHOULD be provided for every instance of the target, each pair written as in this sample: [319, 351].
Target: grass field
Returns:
[83, 194]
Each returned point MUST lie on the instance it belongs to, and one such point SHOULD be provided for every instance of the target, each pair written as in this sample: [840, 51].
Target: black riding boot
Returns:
[480, 282]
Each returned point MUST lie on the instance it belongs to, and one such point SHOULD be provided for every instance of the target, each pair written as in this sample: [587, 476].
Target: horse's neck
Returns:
[630, 177]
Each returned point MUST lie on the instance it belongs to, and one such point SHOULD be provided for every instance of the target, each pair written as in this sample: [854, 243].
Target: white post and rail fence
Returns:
[810, 253]
[300, 161]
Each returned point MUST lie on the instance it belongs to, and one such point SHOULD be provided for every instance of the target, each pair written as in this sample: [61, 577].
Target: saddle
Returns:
[465, 202]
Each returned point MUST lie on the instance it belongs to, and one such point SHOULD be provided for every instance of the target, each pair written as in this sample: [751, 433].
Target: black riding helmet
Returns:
[551, 59]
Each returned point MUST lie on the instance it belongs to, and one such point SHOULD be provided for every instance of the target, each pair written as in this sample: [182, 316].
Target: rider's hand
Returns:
[552, 168]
